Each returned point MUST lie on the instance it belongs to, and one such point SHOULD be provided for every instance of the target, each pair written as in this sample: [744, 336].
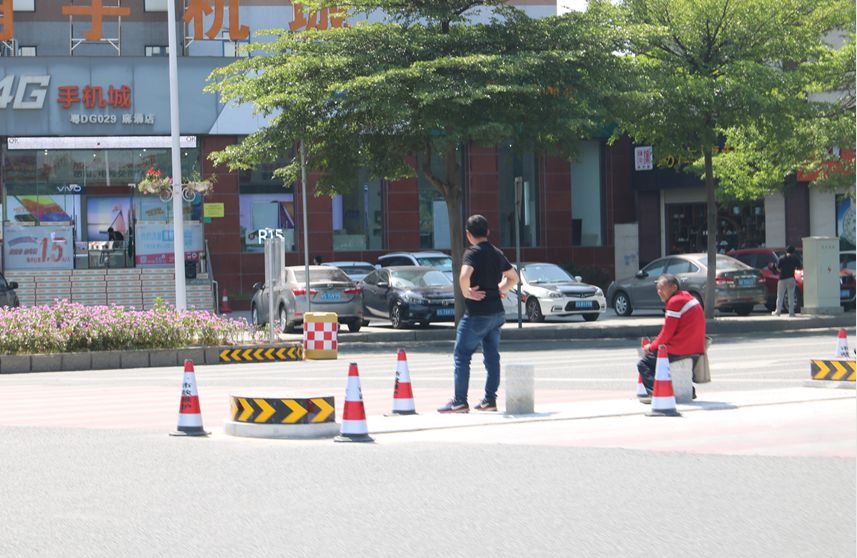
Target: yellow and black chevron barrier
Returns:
[262, 354]
[836, 369]
[266, 410]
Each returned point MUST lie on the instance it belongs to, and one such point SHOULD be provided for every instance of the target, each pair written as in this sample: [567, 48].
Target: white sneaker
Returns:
[775, 313]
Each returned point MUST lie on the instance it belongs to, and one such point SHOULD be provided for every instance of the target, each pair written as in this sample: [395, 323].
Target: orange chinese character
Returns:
[197, 9]
[316, 20]
[7, 22]
[97, 11]
[68, 95]
[119, 98]
[93, 96]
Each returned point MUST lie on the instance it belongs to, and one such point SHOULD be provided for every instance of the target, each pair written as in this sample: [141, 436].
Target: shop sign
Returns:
[38, 247]
[263, 234]
[153, 243]
[73, 189]
[643, 158]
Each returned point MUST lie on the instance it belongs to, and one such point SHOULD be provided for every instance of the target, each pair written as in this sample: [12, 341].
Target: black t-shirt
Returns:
[787, 266]
[488, 264]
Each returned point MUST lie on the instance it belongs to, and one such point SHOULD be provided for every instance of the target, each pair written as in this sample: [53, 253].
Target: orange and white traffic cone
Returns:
[842, 344]
[663, 399]
[641, 388]
[354, 428]
[190, 415]
[403, 395]
[224, 302]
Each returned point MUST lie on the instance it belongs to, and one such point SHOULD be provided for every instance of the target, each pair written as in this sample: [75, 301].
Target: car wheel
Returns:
[283, 320]
[591, 317]
[743, 309]
[534, 311]
[355, 325]
[622, 304]
[254, 316]
[396, 316]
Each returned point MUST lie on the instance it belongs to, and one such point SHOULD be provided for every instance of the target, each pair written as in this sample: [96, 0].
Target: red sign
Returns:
[93, 96]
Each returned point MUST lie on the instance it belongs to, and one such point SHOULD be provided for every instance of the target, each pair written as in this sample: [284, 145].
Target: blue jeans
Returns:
[473, 330]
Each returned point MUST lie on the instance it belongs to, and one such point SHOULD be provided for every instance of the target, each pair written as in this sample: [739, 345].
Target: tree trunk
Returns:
[711, 247]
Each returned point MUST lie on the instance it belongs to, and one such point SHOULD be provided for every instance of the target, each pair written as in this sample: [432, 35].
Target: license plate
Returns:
[331, 295]
[844, 293]
[746, 281]
[584, 304]
[446, 311]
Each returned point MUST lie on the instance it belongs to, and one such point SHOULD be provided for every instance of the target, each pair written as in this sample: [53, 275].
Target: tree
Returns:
[424, 83]
[727, 85]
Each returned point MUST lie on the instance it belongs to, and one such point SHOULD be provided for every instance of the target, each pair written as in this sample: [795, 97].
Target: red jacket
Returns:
[684, 326]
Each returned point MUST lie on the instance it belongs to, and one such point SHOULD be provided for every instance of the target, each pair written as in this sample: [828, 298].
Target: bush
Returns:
[69, 327]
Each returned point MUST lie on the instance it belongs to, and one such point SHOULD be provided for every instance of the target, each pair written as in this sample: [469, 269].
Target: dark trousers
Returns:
[646, 367]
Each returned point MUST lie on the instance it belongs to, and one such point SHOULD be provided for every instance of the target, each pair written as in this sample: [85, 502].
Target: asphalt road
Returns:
[89, 471]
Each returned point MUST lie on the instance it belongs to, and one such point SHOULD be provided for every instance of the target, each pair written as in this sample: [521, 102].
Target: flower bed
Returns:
[70, 327]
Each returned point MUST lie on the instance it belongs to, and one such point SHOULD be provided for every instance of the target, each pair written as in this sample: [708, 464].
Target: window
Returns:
[155, 6]
[656, 268]
[507, 169]
[26, 51]
[371, 279]
[358, 222]
[434, 220]
[586, 207]
[266, 216]
[157, 50]
[24, 5]
[231, 49]
[677, 266]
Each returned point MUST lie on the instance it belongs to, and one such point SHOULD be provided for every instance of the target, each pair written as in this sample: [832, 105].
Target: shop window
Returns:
[27, 51]
[529, 198]
[358, 217]
[267, 216]
[25, 5]
[157, 50]
[155, 6]
[586, 200]
[434, 219]
[740, 225]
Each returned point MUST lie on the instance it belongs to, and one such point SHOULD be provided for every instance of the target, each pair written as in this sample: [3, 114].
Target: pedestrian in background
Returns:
[787, 266]
[486, 276]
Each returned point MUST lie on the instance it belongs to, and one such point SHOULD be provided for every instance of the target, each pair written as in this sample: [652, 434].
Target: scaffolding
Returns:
[77, 40]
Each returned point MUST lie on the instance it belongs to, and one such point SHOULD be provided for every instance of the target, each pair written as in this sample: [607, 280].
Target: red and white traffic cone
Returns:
[403, 395]
[354, 428]
[641, 388]
[842, 344]
[663, 399]
[224, 302]
[190, 415]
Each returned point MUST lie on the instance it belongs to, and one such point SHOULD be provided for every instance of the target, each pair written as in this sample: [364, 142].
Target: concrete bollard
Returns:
[520, 388]
[681, 372]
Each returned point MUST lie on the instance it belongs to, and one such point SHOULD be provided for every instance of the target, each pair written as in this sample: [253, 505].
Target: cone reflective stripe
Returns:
[641, 389]
[842, 344]
[403, 395]
[354, 428]
[663, 399]
[190, 415]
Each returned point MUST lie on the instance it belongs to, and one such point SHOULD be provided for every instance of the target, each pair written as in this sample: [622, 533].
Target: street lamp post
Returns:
[178, 216]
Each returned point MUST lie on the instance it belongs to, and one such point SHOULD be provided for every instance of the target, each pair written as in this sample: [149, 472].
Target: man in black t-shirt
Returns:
[787, 266]
[486, 276]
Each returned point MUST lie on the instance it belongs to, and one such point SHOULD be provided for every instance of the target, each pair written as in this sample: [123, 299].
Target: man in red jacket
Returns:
[683, 331]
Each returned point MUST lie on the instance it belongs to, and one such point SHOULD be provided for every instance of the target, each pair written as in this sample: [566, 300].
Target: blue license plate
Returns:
[844, 293]
[331, 295]
[746, 281]
[446, 311]
[584, 304]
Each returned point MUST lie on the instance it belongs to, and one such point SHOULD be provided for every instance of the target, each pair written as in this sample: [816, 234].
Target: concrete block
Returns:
[77, 361]
[520, 389]
[212, 355]
[165, 357]
[681, 372]
[14, 364]
[195, 354]
[135, 359]
[106, 360]
[46, 363]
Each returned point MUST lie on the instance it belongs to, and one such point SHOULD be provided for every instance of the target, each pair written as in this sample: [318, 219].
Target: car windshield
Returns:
[545, 273]
[321, 275]
[440, 262]
[356, 269]
[413, 279]
[723, 262]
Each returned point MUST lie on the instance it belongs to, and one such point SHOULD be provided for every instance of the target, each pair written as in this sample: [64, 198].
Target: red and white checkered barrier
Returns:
[320, 335]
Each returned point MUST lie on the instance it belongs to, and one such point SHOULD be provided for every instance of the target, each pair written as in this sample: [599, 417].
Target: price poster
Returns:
[38, 247]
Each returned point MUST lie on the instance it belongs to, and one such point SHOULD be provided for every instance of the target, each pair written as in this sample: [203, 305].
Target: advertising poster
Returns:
[26, 247]
[154, 243]
[845, 223]
[105, 212]
[44, 209]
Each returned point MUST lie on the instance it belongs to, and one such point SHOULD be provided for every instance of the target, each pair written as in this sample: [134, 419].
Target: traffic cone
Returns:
[403, 395]
[641, 388]
[663, 399]
[190, 416]
[354, 428]
[842, 344]
[224, 302]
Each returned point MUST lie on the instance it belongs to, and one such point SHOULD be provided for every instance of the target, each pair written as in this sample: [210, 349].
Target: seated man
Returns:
[683, 331]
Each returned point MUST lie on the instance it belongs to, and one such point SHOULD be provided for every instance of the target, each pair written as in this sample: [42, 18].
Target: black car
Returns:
[408, 294]
[8, 296]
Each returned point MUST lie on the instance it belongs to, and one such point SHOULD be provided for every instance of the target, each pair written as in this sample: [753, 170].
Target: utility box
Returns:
[821, 275]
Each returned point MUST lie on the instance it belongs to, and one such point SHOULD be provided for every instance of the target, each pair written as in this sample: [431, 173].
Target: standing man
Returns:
[683, 331]
[787, 266]
[486, 276]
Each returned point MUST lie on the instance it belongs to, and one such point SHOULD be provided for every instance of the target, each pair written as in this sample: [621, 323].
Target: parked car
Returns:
[548, 290]
[765, 260]
[437, 260]
[330, 291]
[407, 295]
[738, 287]
[8, 296]
[846, 278]
[355, 271]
